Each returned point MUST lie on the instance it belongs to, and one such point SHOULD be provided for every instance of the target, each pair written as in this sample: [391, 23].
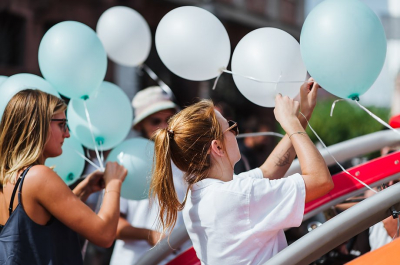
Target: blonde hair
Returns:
[186, 142]
[24, 130]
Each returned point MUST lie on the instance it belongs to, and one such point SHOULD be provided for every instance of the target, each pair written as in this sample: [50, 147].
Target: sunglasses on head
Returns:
[233, 127]
[65, 124]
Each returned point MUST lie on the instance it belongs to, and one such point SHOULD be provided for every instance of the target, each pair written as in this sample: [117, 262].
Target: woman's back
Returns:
[25, 242]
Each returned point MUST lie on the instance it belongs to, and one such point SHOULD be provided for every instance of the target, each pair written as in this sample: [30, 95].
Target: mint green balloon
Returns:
[343, 45]
[69, 165]
[110, 113]
[15, 83]
[72, 59]
[136, 155]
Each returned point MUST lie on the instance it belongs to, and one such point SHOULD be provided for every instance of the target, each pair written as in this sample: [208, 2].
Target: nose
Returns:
[66, 133]
[163, 125]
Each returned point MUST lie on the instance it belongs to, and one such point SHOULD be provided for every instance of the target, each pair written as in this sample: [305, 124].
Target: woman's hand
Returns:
[92, 183]
[286, 111]
[114, 171]
[308, 97]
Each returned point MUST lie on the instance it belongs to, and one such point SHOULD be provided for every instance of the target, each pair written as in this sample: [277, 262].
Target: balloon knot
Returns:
[356, 98]
[85, 97]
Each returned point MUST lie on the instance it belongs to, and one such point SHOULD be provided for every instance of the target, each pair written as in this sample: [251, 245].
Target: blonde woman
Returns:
[237, 219]
[40, 222]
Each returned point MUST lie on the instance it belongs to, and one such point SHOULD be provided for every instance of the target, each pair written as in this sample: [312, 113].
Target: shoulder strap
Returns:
[12, 196]
[21, 178]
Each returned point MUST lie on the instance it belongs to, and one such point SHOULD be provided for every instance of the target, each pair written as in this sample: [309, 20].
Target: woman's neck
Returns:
[222, 171]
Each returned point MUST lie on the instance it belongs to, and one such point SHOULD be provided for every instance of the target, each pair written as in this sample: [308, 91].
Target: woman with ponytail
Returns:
[237, 219]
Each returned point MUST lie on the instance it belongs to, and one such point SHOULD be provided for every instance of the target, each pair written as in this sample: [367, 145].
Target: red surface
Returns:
[370, 172]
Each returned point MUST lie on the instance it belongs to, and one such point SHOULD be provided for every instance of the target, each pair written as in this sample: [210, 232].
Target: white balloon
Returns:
[193, 43]
[269, 55]
[125, 35]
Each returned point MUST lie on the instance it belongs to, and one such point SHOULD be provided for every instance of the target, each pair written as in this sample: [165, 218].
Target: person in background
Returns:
[237, 219]
[40, 224]
[136, 232]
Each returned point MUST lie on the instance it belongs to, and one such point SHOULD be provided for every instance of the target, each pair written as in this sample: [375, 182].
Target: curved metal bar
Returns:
[165, 247]
[351, 148]
[340, 228]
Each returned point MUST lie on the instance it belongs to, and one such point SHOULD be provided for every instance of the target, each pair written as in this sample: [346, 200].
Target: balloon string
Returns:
[91, 132]
[333, 105]
[88, 160]
[261, 81]
[343, 169]
[163, 86]
[216, 81]
[242, 135]
[376, 118]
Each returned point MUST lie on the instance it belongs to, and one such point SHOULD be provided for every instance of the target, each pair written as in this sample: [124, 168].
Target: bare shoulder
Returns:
[40, 176]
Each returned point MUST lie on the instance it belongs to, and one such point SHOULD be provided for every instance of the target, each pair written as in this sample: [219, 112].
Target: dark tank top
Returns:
[22, 241]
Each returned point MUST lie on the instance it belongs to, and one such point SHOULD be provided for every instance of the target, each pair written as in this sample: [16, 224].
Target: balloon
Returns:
[136, 155]
[69, 165]
[193, 43]
[125, 35]
[343, 46]
[270, 55]
[18, 82]
[3, 78]
[72, 59]
[110, 113]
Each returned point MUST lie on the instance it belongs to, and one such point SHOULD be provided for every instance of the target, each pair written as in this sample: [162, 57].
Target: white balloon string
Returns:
[261, 81]
[333, 105]
[101, 151]
[216, 81]
[343, 169]
[163, 86]
[242, 135]
[91, 132]
[279, 79]
[376, 117]
[88, 160]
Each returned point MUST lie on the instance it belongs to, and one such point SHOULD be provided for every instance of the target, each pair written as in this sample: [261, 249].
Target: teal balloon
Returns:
[2, 79]
[18, 82]
[69, 165]
[110, 113]
[343, 45]
[136, 155]
[72, 58]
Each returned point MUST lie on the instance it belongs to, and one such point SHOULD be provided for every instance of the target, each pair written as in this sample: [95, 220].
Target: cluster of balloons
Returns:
[343, 47]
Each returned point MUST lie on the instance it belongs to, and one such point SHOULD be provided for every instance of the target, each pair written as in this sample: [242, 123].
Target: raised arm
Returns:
[55, 198]
[316, 176]
[279, 161]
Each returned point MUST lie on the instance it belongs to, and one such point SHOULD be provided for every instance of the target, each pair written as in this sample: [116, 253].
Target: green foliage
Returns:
[348, 121]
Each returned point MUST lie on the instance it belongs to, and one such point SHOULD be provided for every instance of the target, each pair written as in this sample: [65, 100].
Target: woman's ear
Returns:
[216, 148]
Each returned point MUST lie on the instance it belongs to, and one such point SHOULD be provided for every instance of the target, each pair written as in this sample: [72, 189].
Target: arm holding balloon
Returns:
[94, 182]
[282, 156]
[56, 199]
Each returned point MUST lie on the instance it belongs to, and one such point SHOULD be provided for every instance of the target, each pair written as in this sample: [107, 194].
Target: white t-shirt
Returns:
[139, 214]
[241, 221]
[378, 236]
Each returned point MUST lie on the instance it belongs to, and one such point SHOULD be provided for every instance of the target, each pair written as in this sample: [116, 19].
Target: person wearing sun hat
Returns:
[153, 107]
[136, 228]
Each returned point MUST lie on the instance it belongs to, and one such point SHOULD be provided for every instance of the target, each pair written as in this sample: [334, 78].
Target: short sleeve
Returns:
[123, 206]
[277, 204]
[254, 173]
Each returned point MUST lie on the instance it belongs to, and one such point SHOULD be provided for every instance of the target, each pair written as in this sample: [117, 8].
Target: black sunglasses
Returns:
[233, 127]
[65, 128]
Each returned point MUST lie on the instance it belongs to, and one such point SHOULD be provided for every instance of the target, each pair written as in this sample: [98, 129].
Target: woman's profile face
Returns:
[230, 141]
[58, 131]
